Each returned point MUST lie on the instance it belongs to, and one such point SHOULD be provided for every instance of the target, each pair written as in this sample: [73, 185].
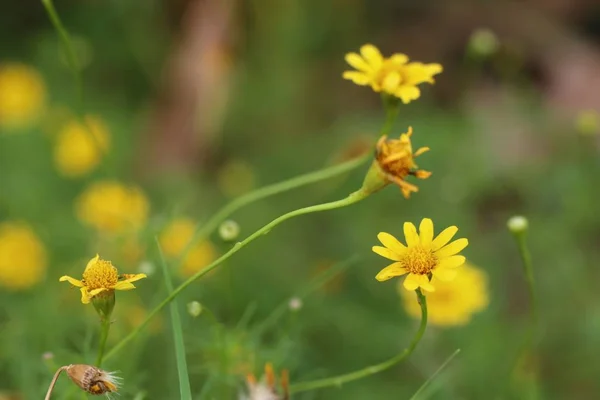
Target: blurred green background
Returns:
[206, 100]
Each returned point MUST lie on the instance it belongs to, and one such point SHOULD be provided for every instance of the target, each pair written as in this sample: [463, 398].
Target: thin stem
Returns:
[373, 369]
[435, 374]
[68, 45]
[391, 106]
[105, 328]
[205, 229]
[354, 197]
[528, 269]
[54, 379]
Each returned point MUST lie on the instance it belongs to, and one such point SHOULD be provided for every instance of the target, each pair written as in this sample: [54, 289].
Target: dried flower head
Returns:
[394, 75]
[423, 256]
[267, 389]
[100, 276]
[93, 380]
[396, 161]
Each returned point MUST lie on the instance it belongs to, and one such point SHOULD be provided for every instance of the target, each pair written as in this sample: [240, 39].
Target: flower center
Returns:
[418, 260]
[101, 274]
[396, 159]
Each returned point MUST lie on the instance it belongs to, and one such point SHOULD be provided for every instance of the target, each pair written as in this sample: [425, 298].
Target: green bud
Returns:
[194, 308]
[229, 230]
[104, 303]
[518, 224]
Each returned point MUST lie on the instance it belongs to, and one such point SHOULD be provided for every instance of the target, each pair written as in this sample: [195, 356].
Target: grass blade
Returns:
[435, 374]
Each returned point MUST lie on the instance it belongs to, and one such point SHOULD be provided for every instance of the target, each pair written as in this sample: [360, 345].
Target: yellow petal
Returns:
[398, 59]
[452, 248]
[123, 285]
[411, 282]
[421, 151]
[357, 62]
[443, 238]
[392, 270]
[92, 261]
[407, 93]
[451, 262]
[391, 82]
[85, 296]
[359, 78]
[410, 233]
[444, 274]
[72, 281]
[372, 55]
[391, 242]
[426, 232]
[132, 277]
[94, 292]
[387, 253]
[416, 73]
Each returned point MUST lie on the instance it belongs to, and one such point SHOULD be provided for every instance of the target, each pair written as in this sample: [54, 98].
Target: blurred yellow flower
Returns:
[174, 239]
[22, 256]
[587, 122]
[396, 161]
[394, 75]
[236, 177]
[452, 303]
[422, 256]
[112, 207]
[22, 95]
[80, 146]
[101, 276]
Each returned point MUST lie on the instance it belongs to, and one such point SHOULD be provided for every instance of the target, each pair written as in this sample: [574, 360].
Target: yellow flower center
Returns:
[418, 260]
[395, 157]
[100, 274]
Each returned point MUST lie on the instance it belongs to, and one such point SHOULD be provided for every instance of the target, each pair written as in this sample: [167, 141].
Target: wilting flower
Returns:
[394, 75]
[93, 380]
[100, 276]
[175, 238]
[22, 95]
[267, 389]
[394, 161]
[452, 303]
[112, 207]
[22, 256]
[80, 146]
[422, 256]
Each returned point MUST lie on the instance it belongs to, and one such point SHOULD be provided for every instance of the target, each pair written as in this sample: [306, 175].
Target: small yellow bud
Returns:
[517, 224]
[483, 43]
[194, 308]
[229, 230]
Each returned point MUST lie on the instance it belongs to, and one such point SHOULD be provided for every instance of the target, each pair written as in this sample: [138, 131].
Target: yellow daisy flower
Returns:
[394, 75]
[22, 95]
[453, 303]
[422, 256]
[396, 160]
[101, 276]
[23, 257]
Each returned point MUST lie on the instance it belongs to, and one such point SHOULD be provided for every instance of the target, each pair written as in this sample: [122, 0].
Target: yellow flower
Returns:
[174, 239]
[22, 95]
[80, 146]
[394, 75]
[587, 122]
[22, 256]
[396, 161]
[101, 276]
[422, 256]
[452, 303]
[112, 207]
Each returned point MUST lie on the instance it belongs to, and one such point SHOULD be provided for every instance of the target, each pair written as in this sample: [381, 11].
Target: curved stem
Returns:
[350, 199]
[105, 328]
[373, 369]
[54, 379]
[205, 229]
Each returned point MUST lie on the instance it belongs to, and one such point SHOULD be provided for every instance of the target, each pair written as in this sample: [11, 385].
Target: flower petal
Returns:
[420, 151]
[95, 292]
[452, 248]
[416, 73]
[444, 274]
[391, 242]
[411, 282]
[387, 253]
[123, 285]
[72, 281]
[356, 61]
[359, 78]
[425, 284]
[132, 277]
[391, 82]
[410, 233]
[92, 261]
[451, 262]
[372, 55]
[443, 238]
[85, 296]
[407, 93]
[392, 270]
[426, 231]
[398, 59]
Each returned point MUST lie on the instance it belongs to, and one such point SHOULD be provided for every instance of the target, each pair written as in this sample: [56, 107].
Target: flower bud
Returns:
[92, 380]
[104, 303]
[517, 224]
[295, 304]
[229, 230]
[587, 123]
[483, 43]
[194, 308]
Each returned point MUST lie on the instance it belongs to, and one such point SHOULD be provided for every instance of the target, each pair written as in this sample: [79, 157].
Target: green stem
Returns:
[354, 197]
[373, 369]
[68, 45]
[391, 106]
[528, 269]
[205, 229]
[105, 328]
[435, 374]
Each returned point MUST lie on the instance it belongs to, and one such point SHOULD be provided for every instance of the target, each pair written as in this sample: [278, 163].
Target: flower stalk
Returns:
[373, 369]
[104, 329]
